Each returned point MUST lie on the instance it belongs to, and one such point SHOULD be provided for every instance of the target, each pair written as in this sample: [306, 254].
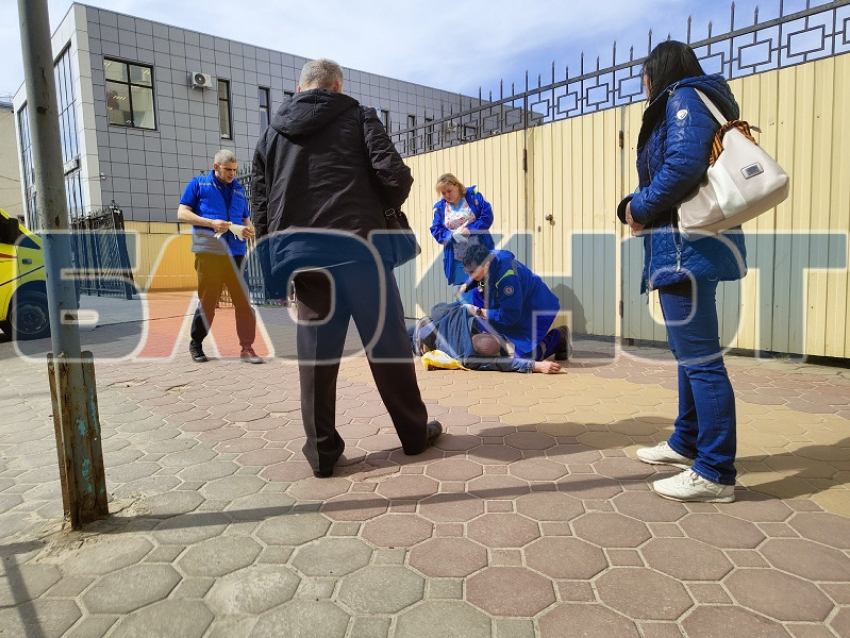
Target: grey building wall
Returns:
[145, 171]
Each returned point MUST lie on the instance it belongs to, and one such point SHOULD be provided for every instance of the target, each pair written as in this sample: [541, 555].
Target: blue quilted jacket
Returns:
[480, 227]
[674, 146]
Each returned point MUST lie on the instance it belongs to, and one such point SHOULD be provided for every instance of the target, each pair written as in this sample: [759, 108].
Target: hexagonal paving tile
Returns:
[253, 590]
[497, 486]
[316, 489]
[509, 591]
[448, 557]
[647, 507]
[188, 529]
[303, 619]
[731, 622]
[538, 469]
[172, 503]
[381, 590]
[219, 556]
[355, 506]
[565, 558]
[530, 441]
[451, 508]
[104, 555]
[454, 469]
[571, 620]
[187, 619]
[332, 556]
[447, 619]
[407, 487]
[779, 596]
[22, 583]
[642, 593]
[503, 530]
[293, 529]
[807, 559]
[131, 588]
[397, 530]
[587, 486]
[549, 506]
[719, 530]
[828, 529]
[611, 530]
[42, 618]
[686, 559]
[232, 487]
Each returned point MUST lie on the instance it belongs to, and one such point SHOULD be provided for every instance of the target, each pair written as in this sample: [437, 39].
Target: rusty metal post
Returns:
[71, 372]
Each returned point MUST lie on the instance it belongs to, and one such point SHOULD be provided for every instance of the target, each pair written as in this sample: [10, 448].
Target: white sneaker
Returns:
[690, 487]
[663, 454]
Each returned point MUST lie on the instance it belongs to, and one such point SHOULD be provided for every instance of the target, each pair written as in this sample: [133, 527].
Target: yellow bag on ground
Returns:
[439, 360]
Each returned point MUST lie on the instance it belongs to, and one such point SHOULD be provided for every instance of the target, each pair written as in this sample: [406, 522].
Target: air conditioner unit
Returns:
[201, 80]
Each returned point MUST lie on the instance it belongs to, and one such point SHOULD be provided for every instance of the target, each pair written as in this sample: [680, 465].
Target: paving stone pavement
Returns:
[530, 517]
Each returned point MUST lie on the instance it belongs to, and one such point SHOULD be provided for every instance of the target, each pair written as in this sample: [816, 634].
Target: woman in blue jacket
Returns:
[674, 146]
[462, 218]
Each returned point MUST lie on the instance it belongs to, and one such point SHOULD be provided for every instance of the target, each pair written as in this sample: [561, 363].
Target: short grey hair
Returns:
[320, 74]
[224, 156]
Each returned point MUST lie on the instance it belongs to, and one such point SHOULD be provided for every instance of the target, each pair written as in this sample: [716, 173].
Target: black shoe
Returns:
[248, 355]
[564, 349]
[323, 473]
[197, 352]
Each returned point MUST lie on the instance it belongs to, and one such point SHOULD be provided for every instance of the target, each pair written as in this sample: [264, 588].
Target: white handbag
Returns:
[741, 183]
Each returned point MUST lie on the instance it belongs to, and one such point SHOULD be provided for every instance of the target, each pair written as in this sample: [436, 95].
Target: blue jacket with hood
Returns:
[483, 220]
[520, 306]
[673, 153]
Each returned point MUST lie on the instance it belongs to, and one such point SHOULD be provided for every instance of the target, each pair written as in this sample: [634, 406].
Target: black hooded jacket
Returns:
[325, 162]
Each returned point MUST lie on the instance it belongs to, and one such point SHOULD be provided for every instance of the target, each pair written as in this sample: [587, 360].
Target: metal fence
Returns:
[100, 254]
[761, 45]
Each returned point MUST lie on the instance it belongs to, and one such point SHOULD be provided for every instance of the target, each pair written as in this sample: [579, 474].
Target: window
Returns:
[385, 118]
[265, 107]
[28, 167]
[69, 139]
[411, 134]
[224, 108]
[429, 133]
[129, 94]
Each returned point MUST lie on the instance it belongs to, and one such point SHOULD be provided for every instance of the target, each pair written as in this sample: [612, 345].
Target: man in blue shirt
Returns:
[516, 303]
[213, 204]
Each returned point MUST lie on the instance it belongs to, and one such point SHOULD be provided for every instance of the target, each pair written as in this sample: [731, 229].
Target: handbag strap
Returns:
[725, 125]
[712, 107]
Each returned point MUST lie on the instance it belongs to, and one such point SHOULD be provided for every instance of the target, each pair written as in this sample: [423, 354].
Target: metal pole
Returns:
[74, 393]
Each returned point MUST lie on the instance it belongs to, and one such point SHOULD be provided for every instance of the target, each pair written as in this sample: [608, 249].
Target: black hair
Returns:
[668, 63]
[476, 254]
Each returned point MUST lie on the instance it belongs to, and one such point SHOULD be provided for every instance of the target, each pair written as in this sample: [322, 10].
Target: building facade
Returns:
[10, 175]
[144, 106]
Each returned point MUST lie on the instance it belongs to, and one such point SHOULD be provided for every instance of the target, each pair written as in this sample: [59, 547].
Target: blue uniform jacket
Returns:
[519, 305]
[484, 219]
[674, 146]
[203, 195]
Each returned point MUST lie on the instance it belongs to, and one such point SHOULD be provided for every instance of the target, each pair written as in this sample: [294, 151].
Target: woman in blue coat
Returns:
[462, 218]
[674, 146]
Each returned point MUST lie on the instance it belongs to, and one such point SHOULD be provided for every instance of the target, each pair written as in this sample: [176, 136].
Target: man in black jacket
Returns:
[324, 172]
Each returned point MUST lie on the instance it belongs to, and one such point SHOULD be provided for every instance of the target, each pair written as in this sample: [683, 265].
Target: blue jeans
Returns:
[459, 276]
[705, 429]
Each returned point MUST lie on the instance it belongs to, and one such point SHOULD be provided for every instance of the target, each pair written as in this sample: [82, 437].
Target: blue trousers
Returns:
[705, 429]
[546, 348]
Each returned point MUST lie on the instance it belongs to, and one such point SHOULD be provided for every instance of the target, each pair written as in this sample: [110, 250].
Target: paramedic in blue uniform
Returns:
[211, 203]
[514, 302]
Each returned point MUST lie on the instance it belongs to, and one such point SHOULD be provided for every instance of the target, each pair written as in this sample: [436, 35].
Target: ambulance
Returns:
[23, 291]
